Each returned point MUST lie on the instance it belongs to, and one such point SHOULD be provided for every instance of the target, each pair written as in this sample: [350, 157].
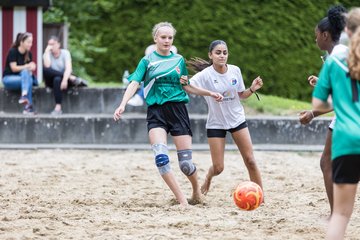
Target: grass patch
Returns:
[268, 104]
[273, 105]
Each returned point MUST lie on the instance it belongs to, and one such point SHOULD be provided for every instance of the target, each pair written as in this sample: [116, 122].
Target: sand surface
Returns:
[82, 194]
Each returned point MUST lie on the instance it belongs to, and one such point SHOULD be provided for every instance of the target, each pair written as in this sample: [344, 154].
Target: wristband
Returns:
[257, 96]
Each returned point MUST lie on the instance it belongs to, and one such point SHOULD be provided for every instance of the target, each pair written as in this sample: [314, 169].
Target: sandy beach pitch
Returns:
[88, 194]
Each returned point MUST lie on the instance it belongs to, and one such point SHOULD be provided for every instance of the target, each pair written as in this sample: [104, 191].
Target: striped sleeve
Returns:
[140, 72]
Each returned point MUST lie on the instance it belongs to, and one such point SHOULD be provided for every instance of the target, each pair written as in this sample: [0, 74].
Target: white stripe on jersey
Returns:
[345, 68]
[148, 87]
[161, 61]
[152, 81]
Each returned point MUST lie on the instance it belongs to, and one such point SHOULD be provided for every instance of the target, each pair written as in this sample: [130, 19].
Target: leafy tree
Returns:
[273, 39]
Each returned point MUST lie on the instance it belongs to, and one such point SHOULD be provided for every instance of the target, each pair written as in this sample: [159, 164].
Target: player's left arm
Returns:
[256, 85]
[320, 105]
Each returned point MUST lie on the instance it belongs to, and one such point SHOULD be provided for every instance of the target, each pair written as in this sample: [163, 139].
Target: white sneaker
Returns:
[56, 112]
[136, 101]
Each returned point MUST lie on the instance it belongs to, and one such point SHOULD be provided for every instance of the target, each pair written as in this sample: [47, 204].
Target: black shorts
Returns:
[346, 169]
[171, 116]
[221, 133]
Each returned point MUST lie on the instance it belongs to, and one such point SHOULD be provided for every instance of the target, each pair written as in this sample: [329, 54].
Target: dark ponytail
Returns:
[16, 44]
[21, 37]
[198, 64]
[334, 23]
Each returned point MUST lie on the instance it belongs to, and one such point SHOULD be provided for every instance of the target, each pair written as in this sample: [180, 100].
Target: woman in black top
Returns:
[18, 70]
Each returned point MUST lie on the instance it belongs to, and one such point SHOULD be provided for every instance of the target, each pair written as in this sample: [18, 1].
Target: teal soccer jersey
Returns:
[334, 80]
[161, 76]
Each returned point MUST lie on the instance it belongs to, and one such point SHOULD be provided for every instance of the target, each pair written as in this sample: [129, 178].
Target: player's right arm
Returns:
[130, 91]
[198, 90]
[135, 79]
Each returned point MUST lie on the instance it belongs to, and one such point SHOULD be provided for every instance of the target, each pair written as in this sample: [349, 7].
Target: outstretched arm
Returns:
[319, 105]
[130, 91]
[191, 89]
[256, 84]
[306, 116]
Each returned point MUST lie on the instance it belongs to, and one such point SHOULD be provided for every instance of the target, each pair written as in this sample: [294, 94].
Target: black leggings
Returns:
[53, 80]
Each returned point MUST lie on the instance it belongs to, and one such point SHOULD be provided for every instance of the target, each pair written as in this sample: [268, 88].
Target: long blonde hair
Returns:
[352, 24]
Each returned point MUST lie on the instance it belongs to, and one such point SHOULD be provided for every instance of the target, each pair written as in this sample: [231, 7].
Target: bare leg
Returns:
[217, 146]
[243, 141]
[326, 168]
[159, 135]
[183, 142]
[170, 180]
[344, 198]
[196, 194]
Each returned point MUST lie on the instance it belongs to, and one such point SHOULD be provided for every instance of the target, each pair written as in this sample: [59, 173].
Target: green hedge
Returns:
[273, 39]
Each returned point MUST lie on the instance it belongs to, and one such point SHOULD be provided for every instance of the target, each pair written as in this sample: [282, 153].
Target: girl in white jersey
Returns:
[327, 35]
[228, 115]
[161, 71]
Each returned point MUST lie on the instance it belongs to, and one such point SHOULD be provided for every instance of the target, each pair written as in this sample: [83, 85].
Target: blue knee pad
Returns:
[161, 158]
[185, 162]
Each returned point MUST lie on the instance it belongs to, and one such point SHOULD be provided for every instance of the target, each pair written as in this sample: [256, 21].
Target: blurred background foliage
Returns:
[273, 39]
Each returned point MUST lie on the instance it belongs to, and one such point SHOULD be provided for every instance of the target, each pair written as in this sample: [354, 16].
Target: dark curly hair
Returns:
[334, 23]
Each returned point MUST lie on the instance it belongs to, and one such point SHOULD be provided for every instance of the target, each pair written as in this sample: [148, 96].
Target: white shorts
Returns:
[332, 124]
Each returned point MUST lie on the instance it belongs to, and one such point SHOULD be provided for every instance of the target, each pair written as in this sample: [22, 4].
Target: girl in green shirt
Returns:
[161, 72]
[340, 78]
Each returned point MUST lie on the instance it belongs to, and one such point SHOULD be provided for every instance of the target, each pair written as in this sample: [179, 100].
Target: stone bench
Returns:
[102, 129]
[83, 100]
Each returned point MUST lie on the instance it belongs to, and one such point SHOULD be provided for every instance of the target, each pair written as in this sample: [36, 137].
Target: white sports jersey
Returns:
[229, 113]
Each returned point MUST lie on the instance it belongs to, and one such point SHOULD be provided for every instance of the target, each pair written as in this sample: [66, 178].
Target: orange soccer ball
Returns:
[248, 196]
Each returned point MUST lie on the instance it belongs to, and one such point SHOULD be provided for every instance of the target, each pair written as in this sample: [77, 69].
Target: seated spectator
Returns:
[19, 68]
[58, 72]
[138, 99]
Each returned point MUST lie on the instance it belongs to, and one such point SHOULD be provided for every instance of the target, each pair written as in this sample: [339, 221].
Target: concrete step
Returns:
[101, 129]
[147, 147]
[83, 100]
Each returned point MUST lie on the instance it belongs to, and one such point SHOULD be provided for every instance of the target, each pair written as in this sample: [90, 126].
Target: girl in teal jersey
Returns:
[327, 37]
[161, 71]
[340, 78]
